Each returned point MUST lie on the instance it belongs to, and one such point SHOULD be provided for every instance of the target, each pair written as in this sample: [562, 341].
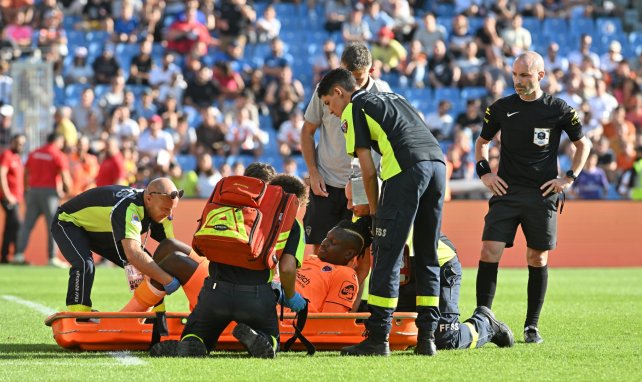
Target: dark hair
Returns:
[260, 170]
[52, 137]
[339, 76]
[362, 228]
[356, 56]
[292, 185]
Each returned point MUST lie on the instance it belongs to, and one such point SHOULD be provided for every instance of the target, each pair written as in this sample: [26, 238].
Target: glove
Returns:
[296, 303]
[172, 286]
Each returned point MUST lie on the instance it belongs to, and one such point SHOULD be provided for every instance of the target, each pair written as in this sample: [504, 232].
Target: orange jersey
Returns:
[330, 288]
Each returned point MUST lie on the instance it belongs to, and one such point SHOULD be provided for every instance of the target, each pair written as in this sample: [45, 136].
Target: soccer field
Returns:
[590, 323]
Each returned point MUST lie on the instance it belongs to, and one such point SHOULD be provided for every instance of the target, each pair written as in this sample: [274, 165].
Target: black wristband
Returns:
[482, 168]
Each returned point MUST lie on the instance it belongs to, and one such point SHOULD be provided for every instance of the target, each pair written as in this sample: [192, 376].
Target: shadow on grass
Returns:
[41, 351]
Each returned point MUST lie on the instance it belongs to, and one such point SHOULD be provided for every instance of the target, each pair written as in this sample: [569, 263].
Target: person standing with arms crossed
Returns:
[526, 187]
[328, 164]
[413, 170]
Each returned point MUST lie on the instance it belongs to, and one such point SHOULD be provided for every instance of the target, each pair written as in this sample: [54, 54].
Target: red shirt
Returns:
[111, 171]
[199, 32]
[45, 165]
[15, 173]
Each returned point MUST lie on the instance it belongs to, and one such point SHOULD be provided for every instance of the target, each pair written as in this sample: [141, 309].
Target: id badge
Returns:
[134, 277]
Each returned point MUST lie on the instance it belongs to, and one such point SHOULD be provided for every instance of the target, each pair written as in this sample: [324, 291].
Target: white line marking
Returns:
[124, 358]
[30, 304]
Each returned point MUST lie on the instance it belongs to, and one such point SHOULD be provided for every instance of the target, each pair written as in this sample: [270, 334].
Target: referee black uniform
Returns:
[530, 138]
[414, 177]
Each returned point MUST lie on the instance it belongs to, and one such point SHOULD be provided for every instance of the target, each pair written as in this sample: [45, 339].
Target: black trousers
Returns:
[12, 225]
[220, 303]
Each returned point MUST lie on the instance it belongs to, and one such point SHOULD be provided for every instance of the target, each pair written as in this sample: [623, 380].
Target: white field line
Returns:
[124, 358]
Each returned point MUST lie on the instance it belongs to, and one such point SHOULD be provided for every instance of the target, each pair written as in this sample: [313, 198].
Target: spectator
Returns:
[127, 26]
[245, 137]
[105, 66]
[208, 176]
[470, 66]
[355, 29]
[112, 167]
[83, 167]
[97, 15]
[487, 37]
[122, 126]
[202, 92]
[590, 126]
[460, 35]
[238, 168]
[184, 180]
[79, 71]
[553, 60]
[429, 33]
[404, 22]
[576, 56]
[80, 113]
[440, 122]
[602, 104]
[627, 93]
[442, 68]
[146, 107]
[283, 96]
[6, 83]
[47, 181]
[229, 82]
[141, 65]
[592, 183]
[154, 143]
[183, 35]
[65, 127]
[375, 18]
[517, 39]
[389, 51]
[276, 60]
[290, 167]
[51, 35]
[19, 32]
[289, 137]
[606, 158]
[233, 21]
[6, 117]
[325, 60]
[610, 59]
[162, 74]
[268, 26]
[470, 121]
[415, 71]
[630, 185]
[210, 134]
[460, 155]
[12, 193]
[184, 137]
[336, 12]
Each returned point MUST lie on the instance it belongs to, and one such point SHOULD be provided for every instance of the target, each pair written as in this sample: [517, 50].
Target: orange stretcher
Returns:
[133, 331]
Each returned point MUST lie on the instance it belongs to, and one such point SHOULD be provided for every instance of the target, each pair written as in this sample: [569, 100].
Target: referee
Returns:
[412, 195]
[526, 188]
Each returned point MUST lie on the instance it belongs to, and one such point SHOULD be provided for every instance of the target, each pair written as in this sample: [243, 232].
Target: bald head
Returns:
[163, 185]
[532, 60]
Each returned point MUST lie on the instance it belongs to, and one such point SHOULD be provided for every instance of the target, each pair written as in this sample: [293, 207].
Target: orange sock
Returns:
[193, 286]
[145, 296]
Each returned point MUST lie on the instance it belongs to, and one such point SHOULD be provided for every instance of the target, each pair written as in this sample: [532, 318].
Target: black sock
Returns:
[486, 283]
[537, 284]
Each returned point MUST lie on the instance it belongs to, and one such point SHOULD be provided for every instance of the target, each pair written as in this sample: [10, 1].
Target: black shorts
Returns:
[536, 214]
[324, 213]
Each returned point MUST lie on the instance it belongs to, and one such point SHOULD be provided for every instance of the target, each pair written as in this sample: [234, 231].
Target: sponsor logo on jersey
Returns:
[344, 126]
[347, 291]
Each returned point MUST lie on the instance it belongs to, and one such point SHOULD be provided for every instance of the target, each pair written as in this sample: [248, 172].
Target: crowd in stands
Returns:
[198, 89]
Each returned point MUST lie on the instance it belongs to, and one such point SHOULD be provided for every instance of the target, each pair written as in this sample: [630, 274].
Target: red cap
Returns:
[155, 118]
[386, 32]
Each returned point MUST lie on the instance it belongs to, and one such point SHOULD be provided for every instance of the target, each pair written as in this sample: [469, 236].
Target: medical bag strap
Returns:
[299, 323]
[159, 329]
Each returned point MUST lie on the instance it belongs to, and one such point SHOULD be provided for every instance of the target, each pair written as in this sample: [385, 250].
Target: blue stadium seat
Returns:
[97, 36]
[75, 38]
[609, 26]
[581, 25]
[450, 93]
[473, 92]
[554, 26]
[73, 91]
[446, 22]
[533, 24]
[445, 10]
[187, 162]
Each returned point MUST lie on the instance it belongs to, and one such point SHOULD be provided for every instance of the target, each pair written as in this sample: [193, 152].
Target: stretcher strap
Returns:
[299, 323]
[159, 329]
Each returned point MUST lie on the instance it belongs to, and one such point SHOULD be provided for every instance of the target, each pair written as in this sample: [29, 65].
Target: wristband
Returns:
[482, 168]
[172, 286]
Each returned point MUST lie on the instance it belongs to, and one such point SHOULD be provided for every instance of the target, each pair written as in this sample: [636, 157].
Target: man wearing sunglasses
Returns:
[115, 223]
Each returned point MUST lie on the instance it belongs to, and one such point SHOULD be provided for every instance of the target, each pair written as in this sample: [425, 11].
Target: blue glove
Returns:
[296, 303]
[172, 286]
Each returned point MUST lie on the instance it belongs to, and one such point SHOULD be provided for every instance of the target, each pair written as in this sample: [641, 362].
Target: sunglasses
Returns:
[172, 195]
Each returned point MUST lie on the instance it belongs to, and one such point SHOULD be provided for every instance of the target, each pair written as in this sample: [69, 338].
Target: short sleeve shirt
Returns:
[327, 285]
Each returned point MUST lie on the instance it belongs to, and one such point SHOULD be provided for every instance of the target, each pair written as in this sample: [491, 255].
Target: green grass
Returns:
[591, 326]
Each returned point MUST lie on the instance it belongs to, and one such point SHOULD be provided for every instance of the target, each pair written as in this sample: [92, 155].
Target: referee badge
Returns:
[344, 126]
[541, 136]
